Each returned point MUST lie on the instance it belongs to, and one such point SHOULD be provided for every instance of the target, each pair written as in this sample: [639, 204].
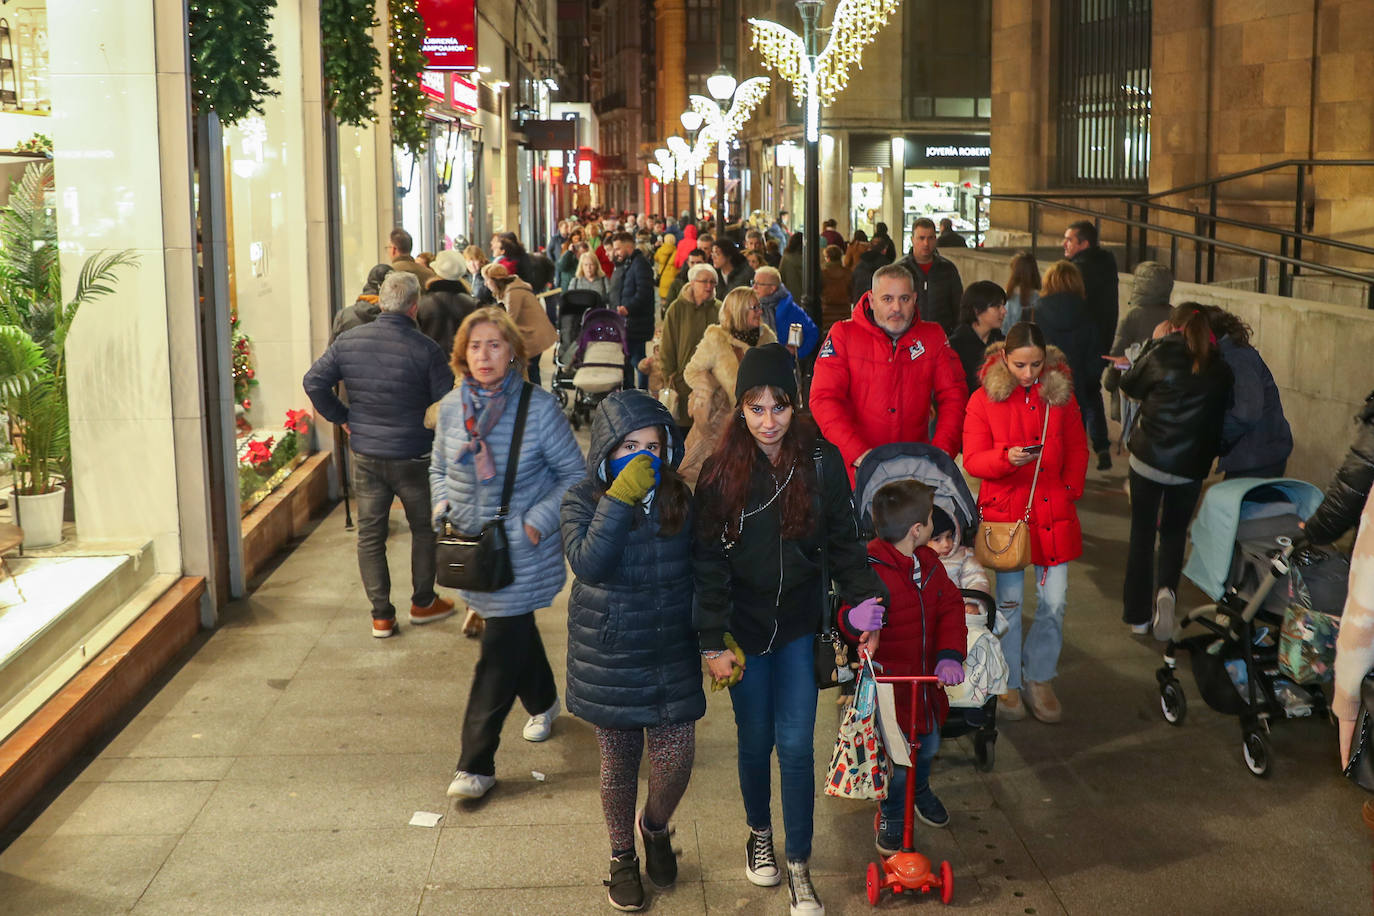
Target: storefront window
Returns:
[865, 198]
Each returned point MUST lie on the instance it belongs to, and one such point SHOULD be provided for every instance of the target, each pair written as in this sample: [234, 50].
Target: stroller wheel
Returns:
[984, 752]
[1172, 702]
[1257, 752]
[562, 395]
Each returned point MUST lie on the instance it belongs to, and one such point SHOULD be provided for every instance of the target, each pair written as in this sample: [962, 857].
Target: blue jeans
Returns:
[775, 705]
[1040, 654]
[891, 807]
[377, 483]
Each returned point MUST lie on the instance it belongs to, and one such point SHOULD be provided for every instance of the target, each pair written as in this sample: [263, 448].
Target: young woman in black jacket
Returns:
[1184, 389]
[770, 500]
[633, 668]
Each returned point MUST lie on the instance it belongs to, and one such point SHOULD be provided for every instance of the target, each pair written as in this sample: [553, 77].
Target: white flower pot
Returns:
[41, 517]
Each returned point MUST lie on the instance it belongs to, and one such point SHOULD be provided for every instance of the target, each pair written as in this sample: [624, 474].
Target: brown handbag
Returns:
[1005, 546]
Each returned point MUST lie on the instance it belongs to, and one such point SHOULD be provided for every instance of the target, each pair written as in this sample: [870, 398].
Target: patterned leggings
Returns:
[671, 751]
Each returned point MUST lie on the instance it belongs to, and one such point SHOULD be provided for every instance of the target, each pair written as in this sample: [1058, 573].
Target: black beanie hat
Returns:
[769, 364]
[942, 522]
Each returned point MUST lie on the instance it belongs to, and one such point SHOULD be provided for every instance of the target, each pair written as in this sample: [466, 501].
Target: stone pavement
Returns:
[274, 770]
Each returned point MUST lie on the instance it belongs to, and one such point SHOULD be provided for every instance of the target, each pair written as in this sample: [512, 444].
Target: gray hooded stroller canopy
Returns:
[915, 461]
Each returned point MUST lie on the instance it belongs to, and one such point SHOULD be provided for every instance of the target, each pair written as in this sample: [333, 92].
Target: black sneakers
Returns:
[760, 865]
[624, 890]
[660, 862]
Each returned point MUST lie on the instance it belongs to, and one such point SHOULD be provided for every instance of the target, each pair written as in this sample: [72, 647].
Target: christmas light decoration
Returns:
[232, 56]
[720, 125]
[408, 127]
[855, 24]
[350, 60]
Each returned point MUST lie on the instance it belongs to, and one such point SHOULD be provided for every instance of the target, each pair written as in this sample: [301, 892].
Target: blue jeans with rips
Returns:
[775, 706]
[1039, 656]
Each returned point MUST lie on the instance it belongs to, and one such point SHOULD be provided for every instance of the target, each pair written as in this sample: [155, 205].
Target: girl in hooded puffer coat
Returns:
[633, 666]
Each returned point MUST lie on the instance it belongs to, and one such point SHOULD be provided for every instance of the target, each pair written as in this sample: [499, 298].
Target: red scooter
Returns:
[908, 870]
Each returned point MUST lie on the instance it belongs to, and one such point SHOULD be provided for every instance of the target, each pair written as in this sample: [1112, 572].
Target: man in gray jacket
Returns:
[392, 373]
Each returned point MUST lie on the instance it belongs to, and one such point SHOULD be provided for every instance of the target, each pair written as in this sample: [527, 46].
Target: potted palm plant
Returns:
[34, 324]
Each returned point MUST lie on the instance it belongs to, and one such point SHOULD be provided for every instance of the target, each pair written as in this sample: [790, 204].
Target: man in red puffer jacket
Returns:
[879, 371]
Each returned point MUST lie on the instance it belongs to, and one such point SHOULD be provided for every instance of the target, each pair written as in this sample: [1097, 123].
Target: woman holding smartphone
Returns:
[1025, 412]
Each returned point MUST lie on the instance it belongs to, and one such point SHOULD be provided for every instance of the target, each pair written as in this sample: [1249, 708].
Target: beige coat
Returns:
[711, 375]
[529, 316]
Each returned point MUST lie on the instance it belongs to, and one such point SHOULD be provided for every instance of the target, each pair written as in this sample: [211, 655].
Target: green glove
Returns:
[634, 482]
[738, 672]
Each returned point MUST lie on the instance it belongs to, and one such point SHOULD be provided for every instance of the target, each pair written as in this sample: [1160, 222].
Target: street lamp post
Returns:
[816, 79]
[811, 210]
[691, 121]
[721, 85]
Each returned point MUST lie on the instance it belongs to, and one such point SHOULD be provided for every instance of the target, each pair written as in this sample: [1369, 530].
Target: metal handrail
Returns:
[1210, 241]
[1257, 170]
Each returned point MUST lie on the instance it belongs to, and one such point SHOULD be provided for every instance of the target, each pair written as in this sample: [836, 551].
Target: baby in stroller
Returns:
[985, 667]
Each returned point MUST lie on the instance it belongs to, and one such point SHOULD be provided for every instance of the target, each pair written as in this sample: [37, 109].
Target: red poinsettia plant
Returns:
[259, 452]
[298, 421]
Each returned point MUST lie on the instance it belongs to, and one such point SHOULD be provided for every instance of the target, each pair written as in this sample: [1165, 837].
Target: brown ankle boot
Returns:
[1042, 702]
[1009, 706]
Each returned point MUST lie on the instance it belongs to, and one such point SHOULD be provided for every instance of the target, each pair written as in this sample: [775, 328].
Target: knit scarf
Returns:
[751, 336]
[482, 409]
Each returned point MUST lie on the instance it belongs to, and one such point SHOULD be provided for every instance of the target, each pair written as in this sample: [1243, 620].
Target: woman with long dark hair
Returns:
[1023, 288]
[1183, 386]
[771, 500]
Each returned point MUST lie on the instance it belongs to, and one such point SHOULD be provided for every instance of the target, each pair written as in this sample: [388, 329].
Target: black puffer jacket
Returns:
[876, 256]
[632, 653]
[937, 292]
[1178, 430]
[632, 285]
[767, 591]
[393, 373]
[1349, 489]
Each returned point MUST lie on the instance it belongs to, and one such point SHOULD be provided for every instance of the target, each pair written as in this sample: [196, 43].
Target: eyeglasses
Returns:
[753, 308]
[759, 284]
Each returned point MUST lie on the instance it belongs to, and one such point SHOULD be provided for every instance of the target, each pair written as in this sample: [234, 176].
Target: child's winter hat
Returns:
[942, 522]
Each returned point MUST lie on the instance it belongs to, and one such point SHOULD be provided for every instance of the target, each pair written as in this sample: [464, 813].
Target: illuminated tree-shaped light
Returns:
[855, 24]
[721, 124]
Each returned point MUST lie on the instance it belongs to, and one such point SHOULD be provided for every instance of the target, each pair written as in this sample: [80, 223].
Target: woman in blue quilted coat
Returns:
[633, 667]
[472, 447]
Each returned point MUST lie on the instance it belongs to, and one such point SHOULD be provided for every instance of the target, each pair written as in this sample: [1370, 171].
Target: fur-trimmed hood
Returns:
[1056, 381]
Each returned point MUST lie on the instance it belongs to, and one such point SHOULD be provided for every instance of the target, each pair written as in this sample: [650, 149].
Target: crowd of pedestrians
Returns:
[713, 515]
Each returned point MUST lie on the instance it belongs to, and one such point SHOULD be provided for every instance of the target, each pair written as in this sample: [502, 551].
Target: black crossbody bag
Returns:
[481, 562]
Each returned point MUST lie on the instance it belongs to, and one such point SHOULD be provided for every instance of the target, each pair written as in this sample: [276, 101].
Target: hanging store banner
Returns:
[944, 151]
[464, 94]
[432, 84]
[450, 33]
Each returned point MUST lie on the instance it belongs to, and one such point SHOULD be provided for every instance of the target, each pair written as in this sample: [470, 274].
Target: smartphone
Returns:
[1032, 449]
[794, 335]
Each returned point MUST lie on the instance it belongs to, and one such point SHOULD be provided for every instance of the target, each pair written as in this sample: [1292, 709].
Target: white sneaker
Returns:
[539, 727]
[1140, 629]
[804, 901]
[1164, 615]
[470, 785]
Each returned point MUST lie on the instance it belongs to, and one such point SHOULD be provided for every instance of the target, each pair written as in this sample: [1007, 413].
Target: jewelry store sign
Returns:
[966, 151]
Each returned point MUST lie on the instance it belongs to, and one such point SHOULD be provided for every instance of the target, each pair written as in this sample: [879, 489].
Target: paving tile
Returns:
[182, 736]
[293, 872]
[79, 875]
[481, 857]
[122, 809]
[588, 899]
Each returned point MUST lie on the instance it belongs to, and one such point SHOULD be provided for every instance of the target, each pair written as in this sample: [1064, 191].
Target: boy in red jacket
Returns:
[924, 634]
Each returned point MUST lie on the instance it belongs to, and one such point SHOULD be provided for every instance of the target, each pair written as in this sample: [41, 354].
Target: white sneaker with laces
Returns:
[1164, 614]
[470, 785]
[804, 899]
[539, 727]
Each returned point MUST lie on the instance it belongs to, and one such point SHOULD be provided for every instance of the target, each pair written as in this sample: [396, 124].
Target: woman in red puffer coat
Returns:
[1022, 380]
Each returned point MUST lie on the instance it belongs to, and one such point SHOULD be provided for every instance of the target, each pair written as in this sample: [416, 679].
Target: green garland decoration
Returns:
[232, 57]
[351, 61]
[408, 128]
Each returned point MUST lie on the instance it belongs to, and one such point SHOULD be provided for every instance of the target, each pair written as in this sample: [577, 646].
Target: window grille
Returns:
[1103, 93]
